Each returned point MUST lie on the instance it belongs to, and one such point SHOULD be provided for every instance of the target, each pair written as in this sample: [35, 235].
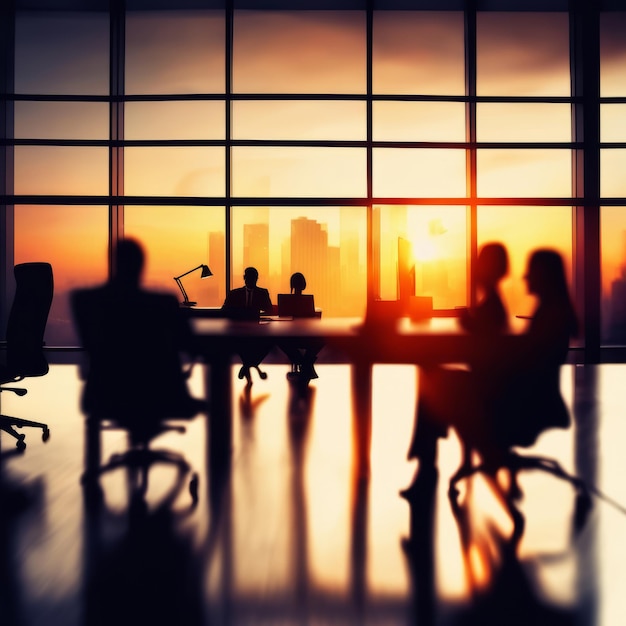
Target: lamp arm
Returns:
[182, 289]
[189, 272]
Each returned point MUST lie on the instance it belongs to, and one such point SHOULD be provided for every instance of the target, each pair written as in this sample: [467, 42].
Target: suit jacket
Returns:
[260, 301]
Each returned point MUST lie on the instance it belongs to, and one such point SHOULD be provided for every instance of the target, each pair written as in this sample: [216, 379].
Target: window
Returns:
[257, 145]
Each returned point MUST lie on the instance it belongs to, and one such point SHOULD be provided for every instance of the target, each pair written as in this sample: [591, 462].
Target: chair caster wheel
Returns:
[193, 487]
[263, 375]
[45, 435]
[453, 492]
[21, 444]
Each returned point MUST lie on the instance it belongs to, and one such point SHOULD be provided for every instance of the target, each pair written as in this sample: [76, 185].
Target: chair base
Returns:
[514, 462]
[8, 425]
[138, 461]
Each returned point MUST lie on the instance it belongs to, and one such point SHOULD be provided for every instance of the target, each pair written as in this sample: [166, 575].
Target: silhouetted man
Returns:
[247, 302]
[133, 337]
[250, 297]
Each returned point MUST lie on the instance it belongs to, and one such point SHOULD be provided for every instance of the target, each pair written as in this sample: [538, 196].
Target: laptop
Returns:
[292, 305]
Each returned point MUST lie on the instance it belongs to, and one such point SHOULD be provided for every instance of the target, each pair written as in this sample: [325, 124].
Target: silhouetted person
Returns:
[454, 397]
[134, 340]
[135, 336]
[247, 303]
[533, 372]
[489, 316]
[303, 355]
[524, 399]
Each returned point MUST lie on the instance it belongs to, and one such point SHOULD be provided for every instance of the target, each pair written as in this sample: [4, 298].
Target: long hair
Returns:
[297, 282]
[548, 274]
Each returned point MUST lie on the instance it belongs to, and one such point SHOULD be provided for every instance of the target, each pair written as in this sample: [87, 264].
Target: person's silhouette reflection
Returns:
[141, 568]
[454, 397]
[419, 548]
[247, 303]
[21, 512]
[304, 354]
[502, 589]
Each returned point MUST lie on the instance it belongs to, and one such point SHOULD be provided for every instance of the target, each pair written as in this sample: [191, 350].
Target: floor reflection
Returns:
[291, 534]
[141, 567]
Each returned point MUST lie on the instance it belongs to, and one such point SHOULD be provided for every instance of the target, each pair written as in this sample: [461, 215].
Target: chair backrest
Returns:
[296, 305]
[34, 288]
[132, 343]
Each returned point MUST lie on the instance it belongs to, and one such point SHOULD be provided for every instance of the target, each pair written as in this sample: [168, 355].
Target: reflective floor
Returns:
[291, 535]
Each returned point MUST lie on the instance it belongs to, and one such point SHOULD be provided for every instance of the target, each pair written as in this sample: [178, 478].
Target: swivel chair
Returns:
[23, 347]
[516, 428]
[134, 382]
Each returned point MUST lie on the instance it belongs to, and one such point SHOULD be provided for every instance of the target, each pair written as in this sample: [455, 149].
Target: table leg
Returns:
[362, 415]
[219, 390]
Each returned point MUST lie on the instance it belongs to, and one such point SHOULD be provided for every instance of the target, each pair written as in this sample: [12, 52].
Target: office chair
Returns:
[135, 382]
[499, 452]
[24, 339]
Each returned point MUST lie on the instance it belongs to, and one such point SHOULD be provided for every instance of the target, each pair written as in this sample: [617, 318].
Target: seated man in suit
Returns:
[248, 302]
[134, 338]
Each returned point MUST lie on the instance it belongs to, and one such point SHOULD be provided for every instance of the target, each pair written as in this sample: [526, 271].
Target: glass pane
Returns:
[62, 53]
[61, 170]
[419, 121]
[74, 240]
[300, 172]
[299, 52]
[613, 250]
[418, 173]
[61, 120]
[427, 245]
[522, 54]
[612, 168]
[176, 240]
[612, 126]
[524, 173]
[175, 52]
[174, 120]
[328, 245]
[192, 171]
[523, 122]
[304, 120]
[612, 53]
[522, 230]
[418, 52]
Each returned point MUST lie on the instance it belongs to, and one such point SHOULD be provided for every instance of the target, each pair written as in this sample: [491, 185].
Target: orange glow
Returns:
[479, 567]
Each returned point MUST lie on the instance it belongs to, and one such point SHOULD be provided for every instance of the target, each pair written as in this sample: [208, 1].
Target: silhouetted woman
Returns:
[525, 398]
[453, 397]
[302, 357]
[531, 397]
[489, 316]
[297, 283]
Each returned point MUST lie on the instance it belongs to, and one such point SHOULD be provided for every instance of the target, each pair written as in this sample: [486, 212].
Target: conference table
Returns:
[431, 341]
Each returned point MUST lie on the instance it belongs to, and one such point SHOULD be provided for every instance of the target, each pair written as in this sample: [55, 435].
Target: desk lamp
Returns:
[206, 272]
